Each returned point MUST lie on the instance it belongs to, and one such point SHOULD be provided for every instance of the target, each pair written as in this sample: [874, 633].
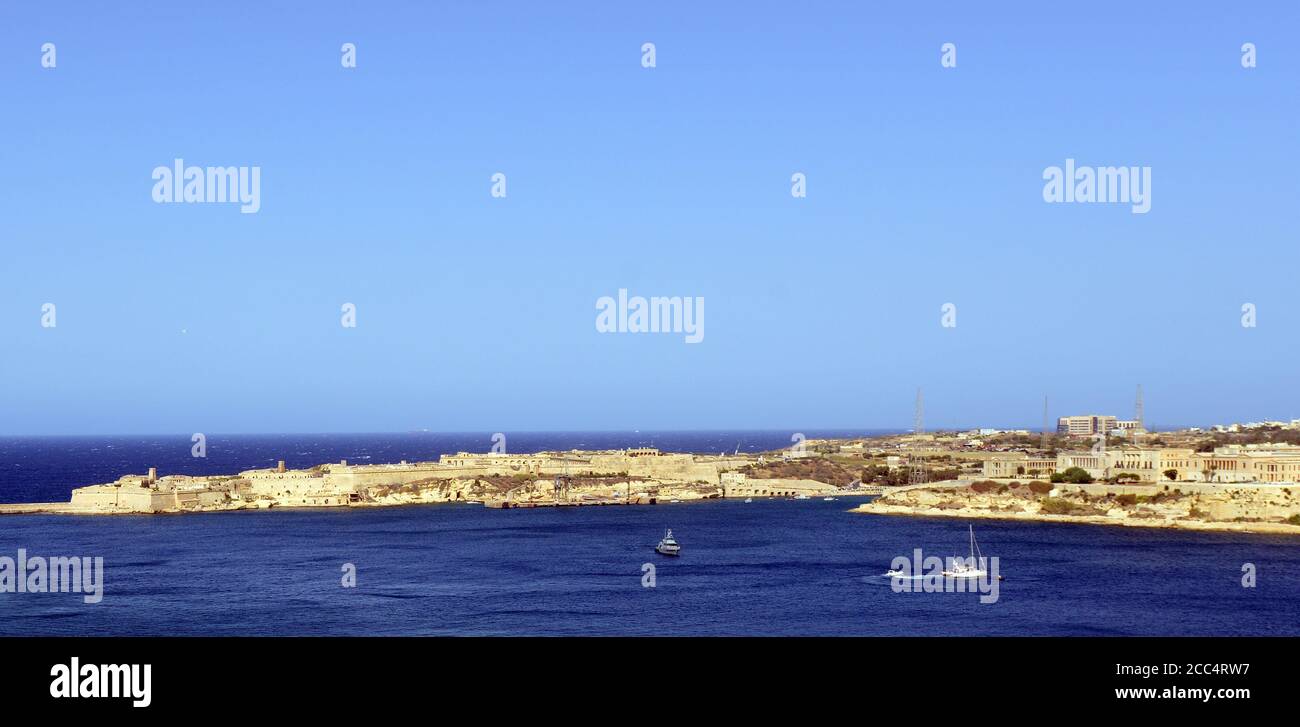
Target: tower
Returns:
[1043, 441]
[1137, 410]
[915, 466]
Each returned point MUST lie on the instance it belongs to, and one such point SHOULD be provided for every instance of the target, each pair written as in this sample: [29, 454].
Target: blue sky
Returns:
[474, 313]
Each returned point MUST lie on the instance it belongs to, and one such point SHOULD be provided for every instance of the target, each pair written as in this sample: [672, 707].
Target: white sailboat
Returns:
[973, 567]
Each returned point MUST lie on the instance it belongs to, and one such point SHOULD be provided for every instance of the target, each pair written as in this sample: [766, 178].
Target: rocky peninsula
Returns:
[499, 480]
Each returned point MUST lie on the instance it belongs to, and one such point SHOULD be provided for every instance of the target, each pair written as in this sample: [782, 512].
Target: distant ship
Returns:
[668, 546]
[801, 497]
[749, 499]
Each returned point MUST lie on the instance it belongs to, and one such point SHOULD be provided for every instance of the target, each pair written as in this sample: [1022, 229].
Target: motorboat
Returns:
[668, 546]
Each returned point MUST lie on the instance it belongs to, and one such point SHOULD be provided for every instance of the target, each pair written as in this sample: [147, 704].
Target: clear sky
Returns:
[924, 187]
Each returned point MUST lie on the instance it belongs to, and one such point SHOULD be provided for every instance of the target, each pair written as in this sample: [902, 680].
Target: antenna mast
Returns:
[916, 469]
[1043, 443]
[1138, 413]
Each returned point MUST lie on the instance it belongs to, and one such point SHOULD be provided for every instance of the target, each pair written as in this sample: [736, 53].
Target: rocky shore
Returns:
[1247, 508]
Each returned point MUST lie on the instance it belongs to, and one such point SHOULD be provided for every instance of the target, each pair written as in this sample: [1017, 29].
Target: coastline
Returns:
[1258, 528]
[495, 480]
[1262, 508]
[1148, 497]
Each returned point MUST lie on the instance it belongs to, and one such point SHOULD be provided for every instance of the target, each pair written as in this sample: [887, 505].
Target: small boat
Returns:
[674, 500]
[963, 568]
[801, 497]
[749, 499]
[668, 546]
[828, 499]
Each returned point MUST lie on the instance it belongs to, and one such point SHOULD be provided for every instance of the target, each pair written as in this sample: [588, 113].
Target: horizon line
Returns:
[1155, 429]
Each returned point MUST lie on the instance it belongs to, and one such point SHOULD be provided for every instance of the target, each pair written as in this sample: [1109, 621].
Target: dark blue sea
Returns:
[775, 567]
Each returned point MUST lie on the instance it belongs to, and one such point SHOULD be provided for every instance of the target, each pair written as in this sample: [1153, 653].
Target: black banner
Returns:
[228, 676]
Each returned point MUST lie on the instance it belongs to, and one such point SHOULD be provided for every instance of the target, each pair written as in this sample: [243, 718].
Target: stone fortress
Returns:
[629, 476]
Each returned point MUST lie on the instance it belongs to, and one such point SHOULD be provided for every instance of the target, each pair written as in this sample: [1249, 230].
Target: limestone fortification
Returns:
[499, 480]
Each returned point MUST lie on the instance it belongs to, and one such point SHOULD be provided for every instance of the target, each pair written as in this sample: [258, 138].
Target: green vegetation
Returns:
[1261, 435]
[1073, 475]
[883, 475]
[1171, 474]
[1061, 506]
[809, 468]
